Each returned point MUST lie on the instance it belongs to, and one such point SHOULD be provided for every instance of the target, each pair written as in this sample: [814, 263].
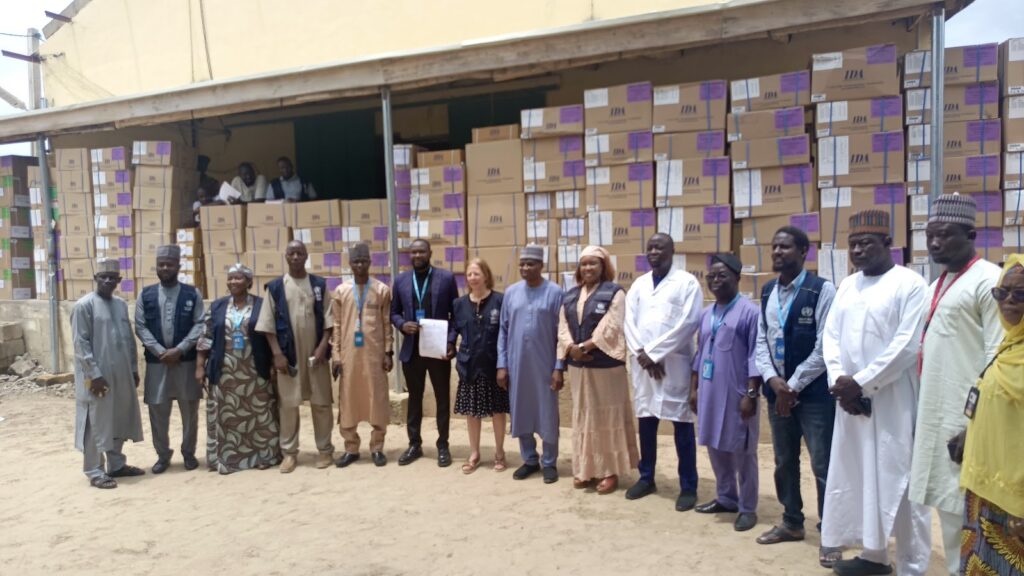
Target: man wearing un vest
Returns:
[169, 322]
[289, 187]
[793, 312]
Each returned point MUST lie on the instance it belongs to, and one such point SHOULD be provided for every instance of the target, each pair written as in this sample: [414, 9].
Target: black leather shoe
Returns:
[412, 454]
[550, 474]
[713, 507]
[191, 463]
[346, 459]
[640, 489]
[860, 567]
[160, 467]
[525, 471]
[745, 521]
[444, 458]
[686, 501]
[379, 459]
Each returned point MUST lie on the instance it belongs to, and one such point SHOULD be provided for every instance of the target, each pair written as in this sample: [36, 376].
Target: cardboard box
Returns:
[623, 108]
[761, 231]
[989, 210]
[113, 203]
[273, 215]
[618, 148]
[163, 153]
[838, 204]
[498, 220]
[1013, 123]
[450, 258]
[321, 240]
[766, 124]
[17, 284]
[504, 263]
[540, 206]
[115, 158]
[225, 241]
[694, 107]
[751, 284]
[622, 229]
[217, 264]
[1013, 171]
[774, 191]
[620, 187]
[860, 159]
[74, 182]
[689, 145]
[567, 257]
[225, 217]
[963, 64]
[962, 102]
[164, 177]
[557, 148]
[972, 173]
[770, 92]
[81, 269]
[13, 194]
[493, 168]
[169, 200]
[364, 212]
[433, 206]
[17, 253]
[438, 232]
[191, 250]
[855, 74]
[691, 182]
[972, 138]
[573, 230]
[77, 225]
[321, 264]
[988, 242]
[112, 182]
[14, 218]
[553, 176]
[629, 265]
[543, 231]
[697, 229]
[114, 246]
[1011, 58]
[759, 258]
[553, 121]
[1013, 239]
[846, 117]
[74, 159]
[268, 239]
[570, 203]
[159, 221]
[147, 243]
[76, 247]
[441, 178]
[17, 166]
[404, 155]
[119, 224]
[771, 152]
[495, 133]
[1013, 207]
[439, 158]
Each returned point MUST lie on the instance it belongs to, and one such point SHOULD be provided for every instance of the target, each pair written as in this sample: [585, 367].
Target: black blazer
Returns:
[443, 292]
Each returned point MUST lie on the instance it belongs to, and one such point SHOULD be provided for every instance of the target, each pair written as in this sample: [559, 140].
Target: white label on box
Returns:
[669, 179]
[138, 149]
[350, 234]
[670, 221]
[419, 202]
[40, 255]
[1015, 107]
[1013, 237]
[1014, 163]
[596, 98]
[658, 129]
[567, 200]
[569, 254]
[419, 229]
[99, 201]
[403, 228]
[919, 241]
[102, 242]
[1012, 201]
[419, 177]
[739, 165]
[918, 62]
[401, 155]
[1016, 49]
[601, 229]
[538, 202]
[918, 100]
[746, 190]
[734, 137]
[97, 156]
[21, 263]
[829, 112]
[22, 293]
[35, 196]
[1011, 184]
[919, 171]
[738, 109]
[834, 156]
[920, 135]
[532, 118]
[101, 221]
[99, 178]
[537, 229]
[533, 171]
[666, 96]
[303, 235]
[834, 265]
[598, 144]
[745, 89]
[187, 251]
[598, 176]
[836, 197]
[919, 205]
[37, 217]
[828, 61]
[572, 227]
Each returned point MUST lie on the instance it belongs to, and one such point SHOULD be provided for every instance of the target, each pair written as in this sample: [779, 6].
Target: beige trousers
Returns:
[352, 440]
[323, 425]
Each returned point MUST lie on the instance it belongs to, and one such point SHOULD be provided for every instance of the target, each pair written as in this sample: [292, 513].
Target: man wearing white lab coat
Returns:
[871, 340]
[662, 315]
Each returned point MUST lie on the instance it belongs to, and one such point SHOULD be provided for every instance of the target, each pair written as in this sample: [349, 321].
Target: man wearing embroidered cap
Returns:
[169, 322]
[106, 376]
[961, 334]
[870, 345]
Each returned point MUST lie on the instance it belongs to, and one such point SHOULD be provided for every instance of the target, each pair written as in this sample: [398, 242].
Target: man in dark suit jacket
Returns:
[424, 292]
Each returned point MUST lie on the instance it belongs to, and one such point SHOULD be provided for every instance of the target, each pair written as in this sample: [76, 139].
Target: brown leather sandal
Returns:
[608, 485]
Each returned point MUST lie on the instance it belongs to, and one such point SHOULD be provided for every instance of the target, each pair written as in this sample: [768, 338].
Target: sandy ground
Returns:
[419, 519]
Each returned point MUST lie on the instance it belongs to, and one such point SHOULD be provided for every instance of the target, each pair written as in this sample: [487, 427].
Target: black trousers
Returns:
[415, 371]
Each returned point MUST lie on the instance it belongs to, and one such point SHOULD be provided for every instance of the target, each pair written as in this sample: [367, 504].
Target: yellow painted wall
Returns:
[121, 47]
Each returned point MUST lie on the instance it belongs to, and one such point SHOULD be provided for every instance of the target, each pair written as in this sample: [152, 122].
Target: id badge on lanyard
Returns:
[780, 349]
[359, 341]
[707, 369]
[420, 314]
[237, 340]
[973, 395]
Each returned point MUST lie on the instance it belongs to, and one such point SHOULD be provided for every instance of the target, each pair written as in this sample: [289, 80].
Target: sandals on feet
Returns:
[499, 463]
[103, 482]
[828, 557]
[780, 534]
[471, 464]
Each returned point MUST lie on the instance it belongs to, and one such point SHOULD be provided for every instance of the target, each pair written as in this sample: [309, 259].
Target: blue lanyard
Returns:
[717, 322]
[420, 294]
[360, 301]
[784, 312]
[235, 317]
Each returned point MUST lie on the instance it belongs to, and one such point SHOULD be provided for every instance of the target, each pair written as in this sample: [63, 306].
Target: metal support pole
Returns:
[937, 96]
[389, 178]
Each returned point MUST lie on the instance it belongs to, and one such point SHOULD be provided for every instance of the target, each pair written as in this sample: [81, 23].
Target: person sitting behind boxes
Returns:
[251, 185]
[289, 187]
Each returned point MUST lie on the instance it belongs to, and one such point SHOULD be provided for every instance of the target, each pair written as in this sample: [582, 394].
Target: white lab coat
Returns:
[662, 322]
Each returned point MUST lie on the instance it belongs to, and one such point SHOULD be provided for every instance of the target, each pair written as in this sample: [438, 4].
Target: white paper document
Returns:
[433, 338]
[228, 193]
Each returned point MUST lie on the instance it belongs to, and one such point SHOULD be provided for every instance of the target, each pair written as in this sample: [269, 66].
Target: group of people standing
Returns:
[871, 377]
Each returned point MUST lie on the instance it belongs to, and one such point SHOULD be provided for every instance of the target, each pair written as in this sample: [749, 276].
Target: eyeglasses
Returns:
[1015, 296]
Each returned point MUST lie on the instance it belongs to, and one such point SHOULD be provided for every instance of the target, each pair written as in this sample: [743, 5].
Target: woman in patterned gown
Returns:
[234, 365]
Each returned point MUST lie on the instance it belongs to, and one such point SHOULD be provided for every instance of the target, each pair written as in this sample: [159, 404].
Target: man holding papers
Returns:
[425, 293]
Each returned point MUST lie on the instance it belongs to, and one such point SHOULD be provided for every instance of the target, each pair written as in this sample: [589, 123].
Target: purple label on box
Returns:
[806, 222]
[638, 92]
[793, 146]
[403, 210]
[708, 141]
[454, 202]
[570, 114]
[404, 259]
[117, 153]
[570, 144]
[796, 174]
[714, 167]
[122, 177]
[453, 173]
[126, 263]
[984, 131]
[460, 281]
[125, 242]
[795, 82]
[888, 106]
[717, 214]
[454, 254]
[789, 118]
[881, 54]
[640, 140]
[403, 194]
[988, 202]
[897, 255]
[124, 198]
[453, 227]
[981, 94]
[643, 171]
[124, 221]
[978, 56]
[332, 260]
[378, 259]
[642, 265]
[163, 148]
[989, 238]
[333, 282]
[380, 233]
[403, 177]
[980, 166]
[574, 169]
[887, 142]
[641, 218]
[812, 253]
[712, 90]
[333, 234]
[888, 194]
[127, 286]
[5, 162]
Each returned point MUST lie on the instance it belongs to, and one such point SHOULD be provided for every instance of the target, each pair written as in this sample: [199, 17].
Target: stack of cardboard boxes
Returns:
[77, 208]
[39, 236]
[1012, 92]
[17, 273]
[366, 221]
[223, 231]
[437, 207]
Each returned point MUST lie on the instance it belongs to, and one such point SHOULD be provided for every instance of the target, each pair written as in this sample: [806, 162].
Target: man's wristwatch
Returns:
[752, 393]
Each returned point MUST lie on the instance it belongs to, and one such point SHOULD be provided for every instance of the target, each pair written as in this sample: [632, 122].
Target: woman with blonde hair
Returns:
[477, 317]
[593, 344]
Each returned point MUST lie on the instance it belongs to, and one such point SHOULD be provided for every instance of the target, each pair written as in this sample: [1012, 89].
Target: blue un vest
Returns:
[595, 308]
[282, 321]
[188, 299]
[261, 354]
[801, 335]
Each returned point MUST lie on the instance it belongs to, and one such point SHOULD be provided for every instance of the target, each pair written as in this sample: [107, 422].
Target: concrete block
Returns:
[53, 379]
[10, 331]
[22, 366]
